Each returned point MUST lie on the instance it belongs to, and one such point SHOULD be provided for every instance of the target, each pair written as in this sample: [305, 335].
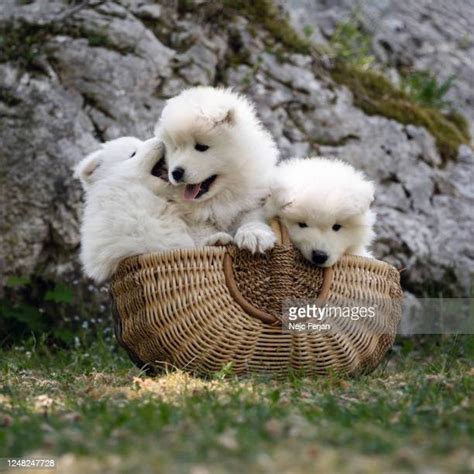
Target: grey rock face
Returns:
[431, 35]
[104, 69]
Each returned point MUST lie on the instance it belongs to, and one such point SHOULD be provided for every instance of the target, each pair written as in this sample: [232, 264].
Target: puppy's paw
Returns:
[219, 238]
[255, 238]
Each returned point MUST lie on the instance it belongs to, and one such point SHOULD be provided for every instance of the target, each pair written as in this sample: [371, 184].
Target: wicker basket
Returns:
[201, 309]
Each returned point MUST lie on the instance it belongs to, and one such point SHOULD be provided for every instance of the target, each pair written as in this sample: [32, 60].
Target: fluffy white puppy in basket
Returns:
[325, 205]
[127, 208]
[221, 158]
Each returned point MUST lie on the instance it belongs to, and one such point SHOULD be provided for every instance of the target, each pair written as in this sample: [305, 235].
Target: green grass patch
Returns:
[89, 408]
[57, 312]
[375, 95]
[425, 89]
[351, 44]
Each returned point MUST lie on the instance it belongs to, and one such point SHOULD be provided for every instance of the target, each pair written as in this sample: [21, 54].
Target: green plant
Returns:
[351, 44]
[425, 89]
[61, 293]
[308, 30]
[22, 310]
[37, 307]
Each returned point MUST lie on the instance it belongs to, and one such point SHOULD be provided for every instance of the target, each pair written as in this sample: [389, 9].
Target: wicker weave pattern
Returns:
[270, 279]
[175, 309]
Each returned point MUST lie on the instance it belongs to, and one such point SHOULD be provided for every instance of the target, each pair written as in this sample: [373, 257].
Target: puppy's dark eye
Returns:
[336, 227]
[200, 147]
[133, 154]
[302, 224]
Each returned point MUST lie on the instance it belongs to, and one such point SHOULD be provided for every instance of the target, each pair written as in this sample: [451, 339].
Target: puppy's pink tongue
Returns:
[191, 191]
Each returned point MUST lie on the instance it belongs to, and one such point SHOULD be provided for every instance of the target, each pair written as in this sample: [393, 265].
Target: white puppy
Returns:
[126, 211]
[325, 206]
[221, 157]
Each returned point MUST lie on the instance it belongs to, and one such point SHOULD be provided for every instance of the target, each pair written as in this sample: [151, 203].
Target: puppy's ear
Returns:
[362, 197]
[224, 116]
[278, 200]
[86, 168]
[229, 118]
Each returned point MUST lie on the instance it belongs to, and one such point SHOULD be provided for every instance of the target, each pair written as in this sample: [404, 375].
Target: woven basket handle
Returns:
[283, 239]
[281, 232]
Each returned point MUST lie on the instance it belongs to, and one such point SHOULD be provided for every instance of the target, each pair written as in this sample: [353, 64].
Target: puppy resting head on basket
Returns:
[325, 206]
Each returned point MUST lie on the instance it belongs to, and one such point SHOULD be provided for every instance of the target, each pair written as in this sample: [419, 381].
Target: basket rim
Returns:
[283, 239]
[349, 260]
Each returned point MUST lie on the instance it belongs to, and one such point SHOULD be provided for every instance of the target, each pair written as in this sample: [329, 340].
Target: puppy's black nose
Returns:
[318, 257]
[178, 174]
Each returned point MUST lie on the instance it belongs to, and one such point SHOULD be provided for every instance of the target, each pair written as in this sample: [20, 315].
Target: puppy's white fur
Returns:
[240, 152]
[320, 193]
[126, 211]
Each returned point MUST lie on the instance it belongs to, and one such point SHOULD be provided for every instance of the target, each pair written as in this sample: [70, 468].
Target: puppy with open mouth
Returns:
[221, 157]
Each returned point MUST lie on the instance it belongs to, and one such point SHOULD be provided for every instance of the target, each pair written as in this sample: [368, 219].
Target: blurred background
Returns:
[386, 85]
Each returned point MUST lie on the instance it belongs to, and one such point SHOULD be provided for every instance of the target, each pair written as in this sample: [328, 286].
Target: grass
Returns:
[351, 44]
[95, 413]
[425, 89]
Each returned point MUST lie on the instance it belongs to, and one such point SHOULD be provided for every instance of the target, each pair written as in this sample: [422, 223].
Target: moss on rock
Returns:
[262, 13]
[375, 95]
[266, 14]
[8, 98]
[461, 123]
[22, 42]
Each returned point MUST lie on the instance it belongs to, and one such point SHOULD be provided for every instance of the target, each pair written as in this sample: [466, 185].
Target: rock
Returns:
[106, 68]
[430, 35]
